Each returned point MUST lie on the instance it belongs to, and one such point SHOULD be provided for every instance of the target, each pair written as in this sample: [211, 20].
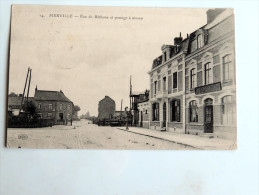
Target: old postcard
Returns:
[122, 78]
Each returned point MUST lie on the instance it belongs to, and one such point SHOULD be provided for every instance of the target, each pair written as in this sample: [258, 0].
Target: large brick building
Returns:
[193, 84]
[53, 105]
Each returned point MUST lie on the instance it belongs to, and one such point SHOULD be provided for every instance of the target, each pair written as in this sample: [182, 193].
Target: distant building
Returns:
[106, 108]
[54, 105]
[14, 104]
[136, 98]
[120, 114]
[144, 112]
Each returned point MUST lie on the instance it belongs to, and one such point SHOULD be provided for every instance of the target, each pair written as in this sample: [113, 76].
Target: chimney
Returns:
[213, 13]
[178, 40]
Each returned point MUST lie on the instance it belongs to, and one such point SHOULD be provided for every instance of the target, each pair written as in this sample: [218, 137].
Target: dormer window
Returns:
[199, 41]
[164, 56]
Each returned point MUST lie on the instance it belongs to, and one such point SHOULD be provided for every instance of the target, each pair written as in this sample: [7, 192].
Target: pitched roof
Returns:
[50, 95]
[15, 102]
[106, 98]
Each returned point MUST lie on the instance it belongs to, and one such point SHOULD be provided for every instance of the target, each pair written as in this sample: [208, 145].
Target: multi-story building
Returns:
[193, 84]
[167, 89]
[53, 105]
[106, 108]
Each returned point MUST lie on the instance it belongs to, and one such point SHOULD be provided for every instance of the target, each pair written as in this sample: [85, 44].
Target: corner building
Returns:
[193, 83]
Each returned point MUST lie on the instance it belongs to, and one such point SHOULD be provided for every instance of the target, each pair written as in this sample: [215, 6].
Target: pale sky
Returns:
[89, 58]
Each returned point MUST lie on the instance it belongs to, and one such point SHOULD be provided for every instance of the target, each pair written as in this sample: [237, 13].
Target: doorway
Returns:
[208, 116]
[60, 116]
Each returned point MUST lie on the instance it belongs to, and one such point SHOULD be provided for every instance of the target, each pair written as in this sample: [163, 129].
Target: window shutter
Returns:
[152, 90]
[179, 110]
[170, 84]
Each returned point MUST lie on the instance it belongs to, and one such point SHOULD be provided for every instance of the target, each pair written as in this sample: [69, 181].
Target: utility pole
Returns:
[130, 92]
[24, 89]
[121, 108]
[131, 102]
[28, 91]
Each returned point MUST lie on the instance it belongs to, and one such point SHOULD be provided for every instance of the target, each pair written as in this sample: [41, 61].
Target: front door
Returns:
[208, 116]
[60, 116]
[164, 115]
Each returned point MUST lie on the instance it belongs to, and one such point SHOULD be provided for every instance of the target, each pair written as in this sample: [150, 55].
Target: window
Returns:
[227, 68]
[69, 106]
[60, 106]
[175, 80]
[199, 41]
[49, 114]
[164, 56]
[175, 106]
[227, 110]
[50, 106]
[159, 85]
[164, 83]
[39, 105]
[193, 111]
[208, 73]
[155, 84]
[40, 115]
[193, 78]
[155, 109]
[193, 45]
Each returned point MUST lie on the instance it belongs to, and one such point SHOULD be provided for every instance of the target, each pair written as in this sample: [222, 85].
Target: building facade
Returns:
[193, 84]
[135, 99]
[106, 108]
[53, 105]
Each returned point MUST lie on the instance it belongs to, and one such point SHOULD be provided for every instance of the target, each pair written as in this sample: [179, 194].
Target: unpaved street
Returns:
[82, 135]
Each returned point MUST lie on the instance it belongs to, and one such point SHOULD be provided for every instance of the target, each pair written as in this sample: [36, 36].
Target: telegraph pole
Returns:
[24, 89]
[28, 91]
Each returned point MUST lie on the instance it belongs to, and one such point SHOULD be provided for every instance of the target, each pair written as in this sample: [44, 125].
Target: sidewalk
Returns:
[202, 143]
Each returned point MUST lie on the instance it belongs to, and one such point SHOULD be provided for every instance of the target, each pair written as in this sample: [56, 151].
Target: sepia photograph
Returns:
[122, 78]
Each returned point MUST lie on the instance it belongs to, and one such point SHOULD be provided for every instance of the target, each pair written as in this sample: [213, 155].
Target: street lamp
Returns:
[127, 119]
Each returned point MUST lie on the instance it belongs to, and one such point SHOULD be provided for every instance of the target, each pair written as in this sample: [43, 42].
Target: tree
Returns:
[77, 108]
[12, 94]
[30, 109]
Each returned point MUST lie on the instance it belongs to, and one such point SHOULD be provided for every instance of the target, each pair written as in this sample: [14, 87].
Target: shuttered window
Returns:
[175, 108]
[193, 109]
[155, 112]
[175, 80]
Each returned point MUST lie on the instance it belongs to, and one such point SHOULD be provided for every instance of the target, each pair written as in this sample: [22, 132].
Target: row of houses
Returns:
[49, 105]
[193, 83]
